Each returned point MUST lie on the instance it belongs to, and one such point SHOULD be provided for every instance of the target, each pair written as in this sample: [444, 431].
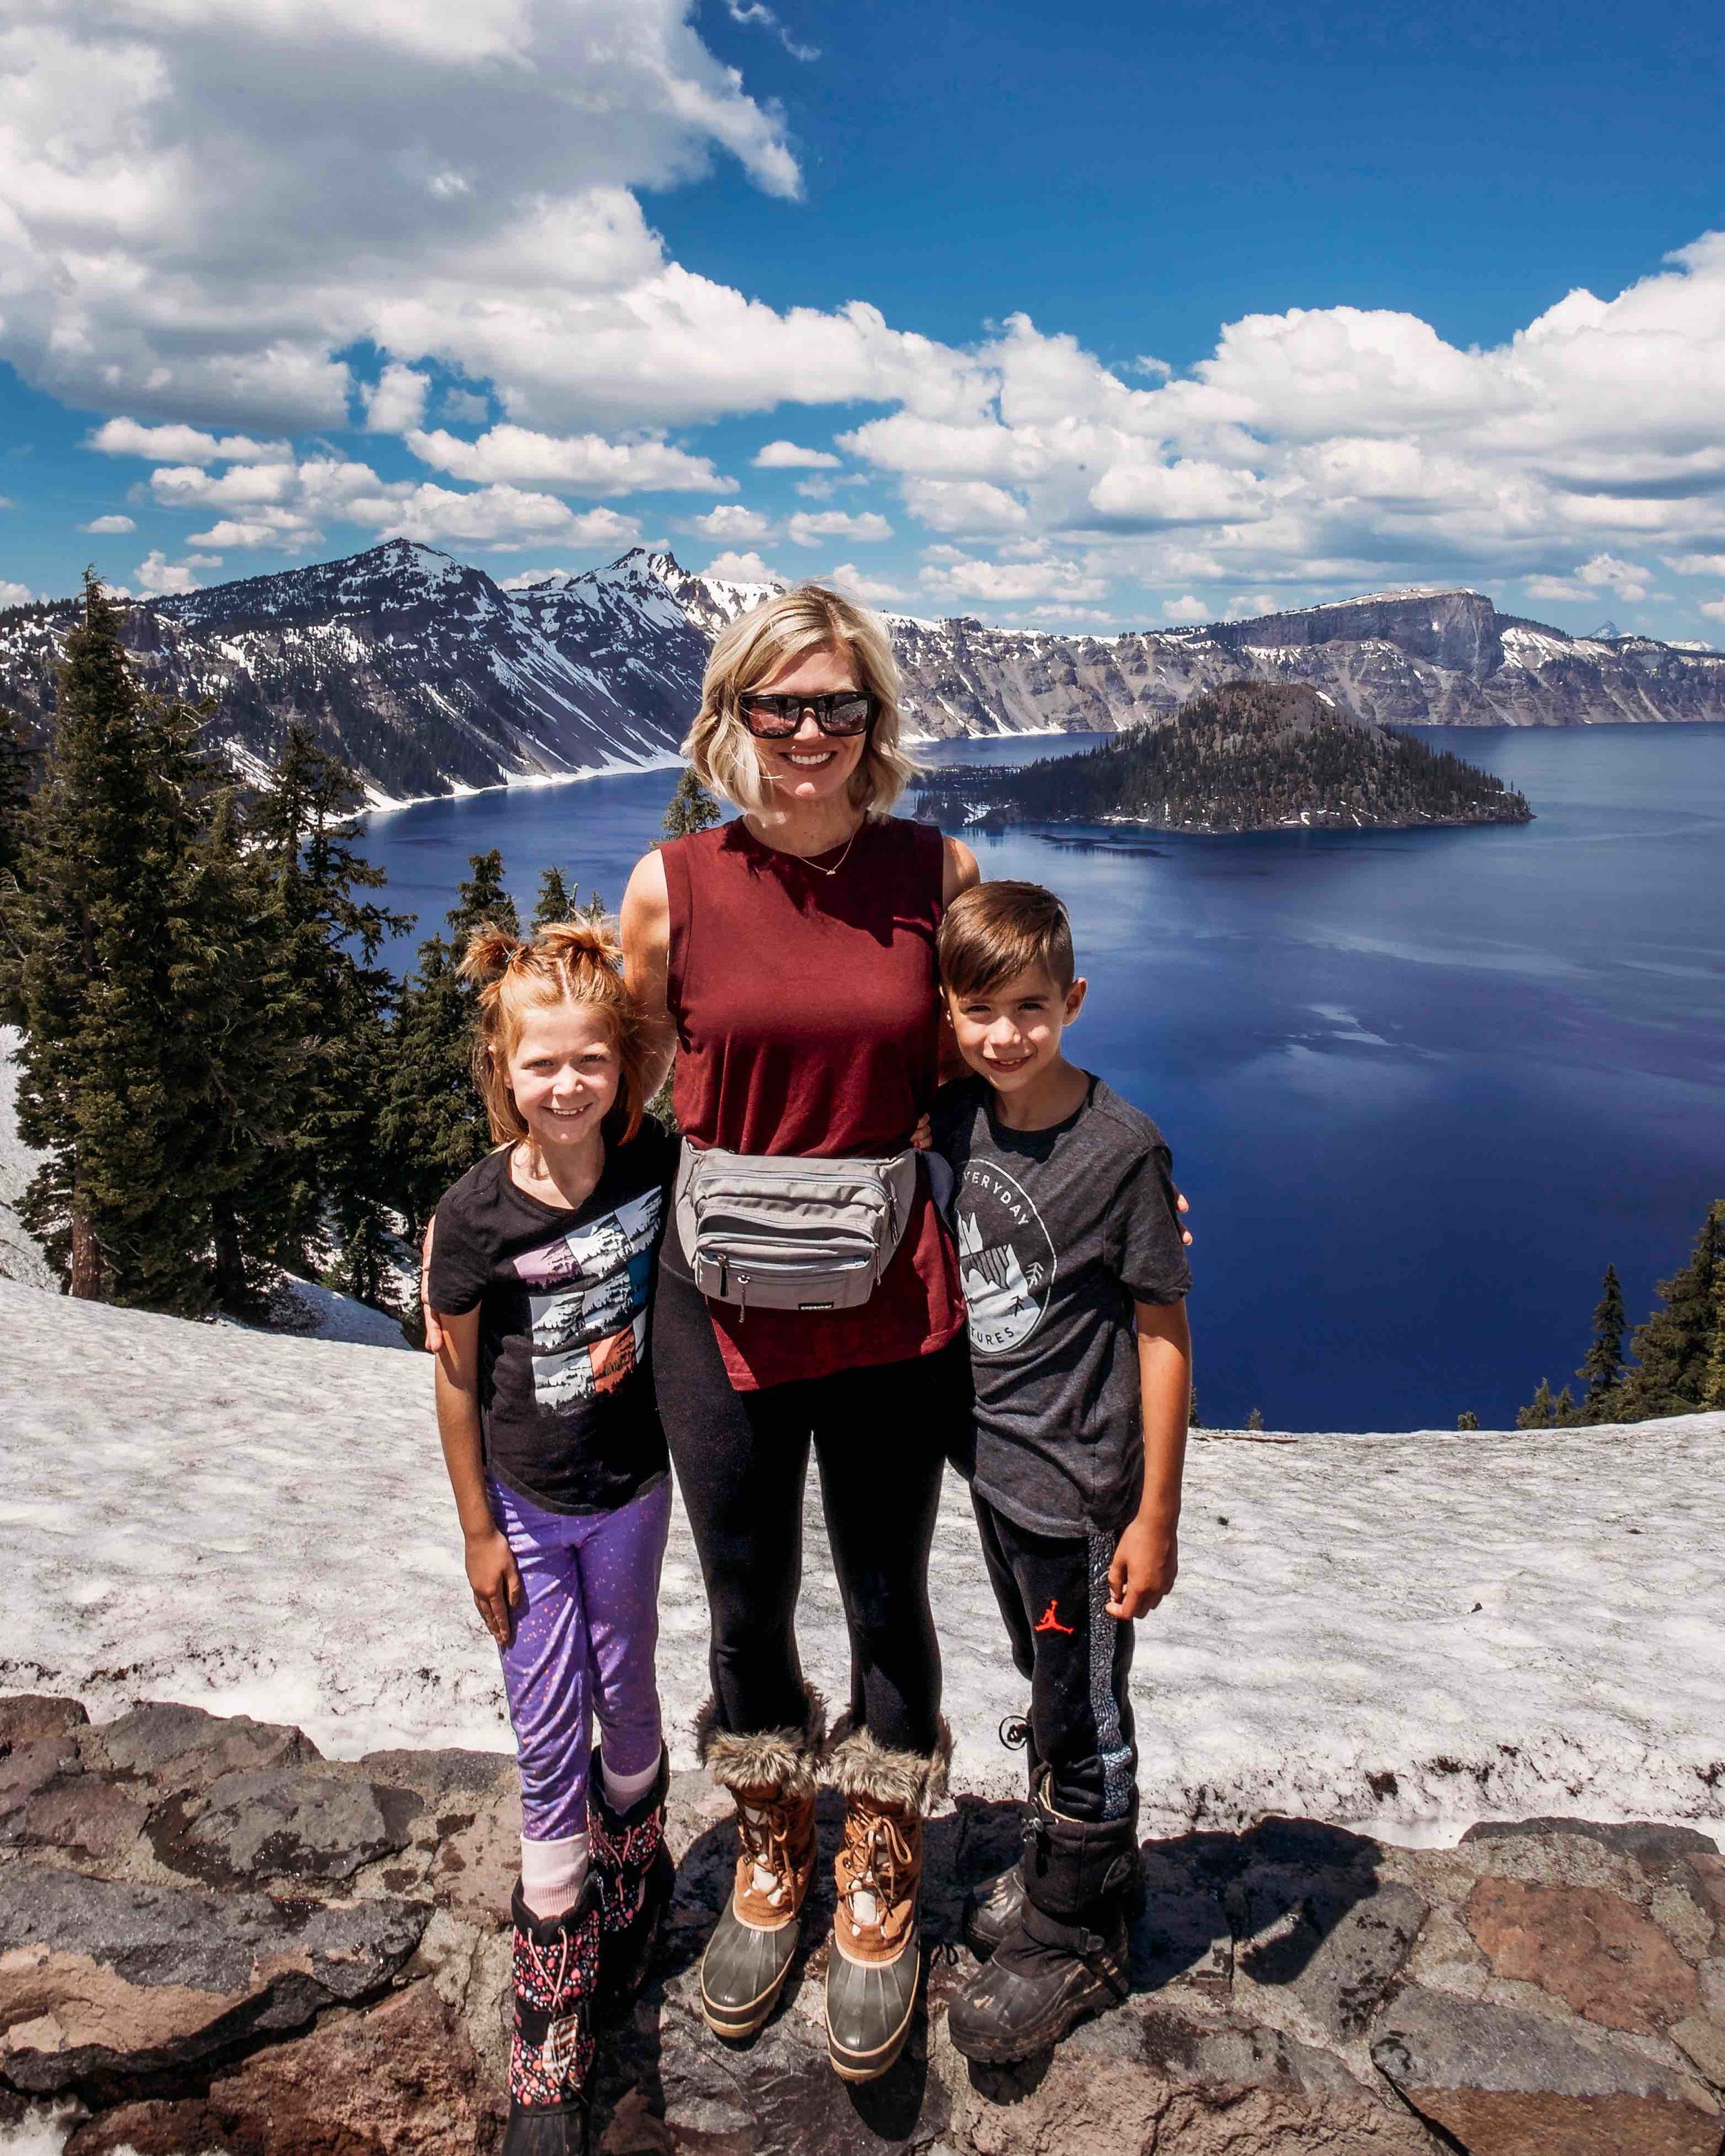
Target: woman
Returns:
[789, 956]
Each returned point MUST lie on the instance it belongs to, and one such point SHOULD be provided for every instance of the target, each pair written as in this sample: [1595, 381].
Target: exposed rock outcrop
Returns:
[214, 1939]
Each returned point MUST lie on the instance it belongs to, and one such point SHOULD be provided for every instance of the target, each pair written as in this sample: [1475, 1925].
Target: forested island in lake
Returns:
[1247, 756]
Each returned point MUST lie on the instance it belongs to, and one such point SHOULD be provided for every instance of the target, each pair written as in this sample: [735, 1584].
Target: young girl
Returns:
[540, 1277]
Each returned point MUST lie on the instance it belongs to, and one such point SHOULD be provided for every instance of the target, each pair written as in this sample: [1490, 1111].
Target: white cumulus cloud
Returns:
[395, 402]
[1185, 609]
[187, 445]
[157, 577]
[808, 527]
[13, 594]
[789, 456]
[584, 463]
[105, 526]
[732, 567]
[732, 520]
[876, 591]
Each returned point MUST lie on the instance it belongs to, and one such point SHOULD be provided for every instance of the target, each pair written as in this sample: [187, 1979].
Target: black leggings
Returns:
[879, 1436]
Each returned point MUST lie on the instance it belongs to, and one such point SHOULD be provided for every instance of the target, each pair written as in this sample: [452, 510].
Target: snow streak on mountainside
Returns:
[428, 676]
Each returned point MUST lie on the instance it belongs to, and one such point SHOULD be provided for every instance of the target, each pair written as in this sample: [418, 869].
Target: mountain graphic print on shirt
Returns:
[1005, 1259]
[591, 1328]
[565, 1301]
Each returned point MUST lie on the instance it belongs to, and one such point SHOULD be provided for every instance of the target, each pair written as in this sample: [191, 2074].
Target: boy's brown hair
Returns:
[570, 961]
[996, 931]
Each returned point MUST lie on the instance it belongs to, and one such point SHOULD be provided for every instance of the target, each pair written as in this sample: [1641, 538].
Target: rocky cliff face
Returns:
[214, 1938]
[427, 675]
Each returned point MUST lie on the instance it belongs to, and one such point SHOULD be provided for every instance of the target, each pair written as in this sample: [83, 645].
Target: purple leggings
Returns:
[584, 1648]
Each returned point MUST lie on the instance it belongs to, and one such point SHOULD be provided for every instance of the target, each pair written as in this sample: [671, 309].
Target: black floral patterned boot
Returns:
[557, 1981]
[636, 1875]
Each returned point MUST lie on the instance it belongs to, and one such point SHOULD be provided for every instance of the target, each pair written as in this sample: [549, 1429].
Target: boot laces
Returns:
[878, 1857]
[763, 1827]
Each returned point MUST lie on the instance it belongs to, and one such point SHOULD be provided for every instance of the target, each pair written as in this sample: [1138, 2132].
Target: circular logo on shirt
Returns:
[1005, 1259]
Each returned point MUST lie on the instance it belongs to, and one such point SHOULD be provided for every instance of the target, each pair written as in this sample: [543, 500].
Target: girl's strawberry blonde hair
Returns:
[571, 962]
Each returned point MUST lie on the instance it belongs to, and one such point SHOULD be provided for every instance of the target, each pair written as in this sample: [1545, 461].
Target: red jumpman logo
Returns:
[1049, 1620]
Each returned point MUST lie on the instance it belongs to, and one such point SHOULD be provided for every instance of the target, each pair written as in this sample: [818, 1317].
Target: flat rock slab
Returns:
[107, 1986]
[287, 1823]
[402, 2080]
[1509, 2083]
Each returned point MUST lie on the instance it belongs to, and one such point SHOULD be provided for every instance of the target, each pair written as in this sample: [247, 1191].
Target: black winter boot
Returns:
[1066, 1956]
[635, 1874]
[992, 1908]
[557, 1977]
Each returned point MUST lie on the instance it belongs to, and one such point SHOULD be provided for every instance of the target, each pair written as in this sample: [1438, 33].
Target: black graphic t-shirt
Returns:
[566, 1390]
[1060, 1232]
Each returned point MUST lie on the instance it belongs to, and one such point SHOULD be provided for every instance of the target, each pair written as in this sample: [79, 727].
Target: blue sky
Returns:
[1137, 316]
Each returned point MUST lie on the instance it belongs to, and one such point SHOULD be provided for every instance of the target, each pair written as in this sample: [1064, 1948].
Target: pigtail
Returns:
[490, 951]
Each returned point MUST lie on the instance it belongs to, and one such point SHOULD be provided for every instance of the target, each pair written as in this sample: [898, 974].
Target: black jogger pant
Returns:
[879, 1436]
[1053, 1593]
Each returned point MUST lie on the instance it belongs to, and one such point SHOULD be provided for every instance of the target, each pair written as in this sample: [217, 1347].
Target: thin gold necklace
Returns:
[809, 862]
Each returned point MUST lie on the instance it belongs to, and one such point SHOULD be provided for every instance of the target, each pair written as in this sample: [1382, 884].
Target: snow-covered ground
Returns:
[20, 1260]
[1406, 1633]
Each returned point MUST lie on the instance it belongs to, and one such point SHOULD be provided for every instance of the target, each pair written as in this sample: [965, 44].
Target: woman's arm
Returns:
[959, 870]
[645, 922]
[491, 1569]
[1147, 1557]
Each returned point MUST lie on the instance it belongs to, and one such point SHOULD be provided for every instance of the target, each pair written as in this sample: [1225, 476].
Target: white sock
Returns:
[624, 1791]
[553, 1874]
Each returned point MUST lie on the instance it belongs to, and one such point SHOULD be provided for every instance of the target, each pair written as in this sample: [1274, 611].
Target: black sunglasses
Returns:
[777, 718]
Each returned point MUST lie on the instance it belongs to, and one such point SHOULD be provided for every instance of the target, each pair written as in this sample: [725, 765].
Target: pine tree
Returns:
[692, 809]
[1542, 1412]
[1714, 1394]
[1673, 1350]
[14, 802]
[14, 796]
[433, 1124]
[1467, 1419]
[1255, 1420]
[330, 1002]
[556, 900]
[1602, 1372]
[130, 931]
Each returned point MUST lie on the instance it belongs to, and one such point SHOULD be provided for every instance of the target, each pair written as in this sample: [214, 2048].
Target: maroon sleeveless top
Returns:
[807, 1023]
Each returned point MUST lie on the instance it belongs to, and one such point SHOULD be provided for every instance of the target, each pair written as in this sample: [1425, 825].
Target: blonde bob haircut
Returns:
[806, 617]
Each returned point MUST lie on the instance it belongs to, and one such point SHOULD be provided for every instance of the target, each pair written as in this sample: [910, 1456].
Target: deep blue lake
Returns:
[1421, 1087]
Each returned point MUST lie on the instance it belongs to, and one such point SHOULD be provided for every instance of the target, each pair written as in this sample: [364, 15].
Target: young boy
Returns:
[1075, 1276]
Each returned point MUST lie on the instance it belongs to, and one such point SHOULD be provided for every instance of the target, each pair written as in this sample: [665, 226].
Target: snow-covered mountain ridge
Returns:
[429, 676]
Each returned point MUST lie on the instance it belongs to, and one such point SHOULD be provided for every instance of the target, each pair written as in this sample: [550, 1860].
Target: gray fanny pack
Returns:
[773, 1231]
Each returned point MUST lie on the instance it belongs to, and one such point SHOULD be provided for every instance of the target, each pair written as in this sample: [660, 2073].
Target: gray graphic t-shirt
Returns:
[1060, 1232]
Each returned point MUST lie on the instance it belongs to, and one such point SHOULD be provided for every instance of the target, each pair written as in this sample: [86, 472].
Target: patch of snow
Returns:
[21, 1257]
[317, 1312]
[1402, 1633]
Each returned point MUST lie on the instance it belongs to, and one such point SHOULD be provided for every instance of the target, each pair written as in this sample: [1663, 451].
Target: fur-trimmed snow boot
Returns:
[635, 1874]
[556, 1968]
[875, 1956]
[772, 1774]
[1066, 1956]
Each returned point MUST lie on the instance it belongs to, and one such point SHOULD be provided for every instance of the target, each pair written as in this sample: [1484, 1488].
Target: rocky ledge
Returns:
[214, 1938]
